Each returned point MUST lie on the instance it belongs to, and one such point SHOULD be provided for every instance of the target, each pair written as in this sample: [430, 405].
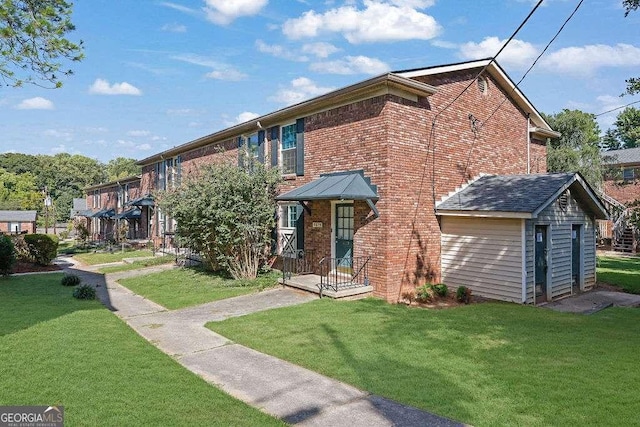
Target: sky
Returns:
[162, 73]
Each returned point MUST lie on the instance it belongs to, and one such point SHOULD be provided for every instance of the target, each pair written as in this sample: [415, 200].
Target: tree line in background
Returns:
[25, 179]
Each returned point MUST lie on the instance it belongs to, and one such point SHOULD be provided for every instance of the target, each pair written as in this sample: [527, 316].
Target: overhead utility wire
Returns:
[535, 62]
[614, 109]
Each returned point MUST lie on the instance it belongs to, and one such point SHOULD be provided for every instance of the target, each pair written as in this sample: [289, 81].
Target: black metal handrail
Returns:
[297, 262]
[343, 273]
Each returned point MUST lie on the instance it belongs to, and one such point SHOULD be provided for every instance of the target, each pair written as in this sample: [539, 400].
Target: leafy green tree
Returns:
[19, 191]
[227, 214]
[33, 41]
[610, 141]
[19, 163]
[577, 150]
[628, 127]
[122, 167]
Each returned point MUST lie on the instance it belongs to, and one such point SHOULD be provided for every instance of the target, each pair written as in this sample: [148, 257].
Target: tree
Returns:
[227, 214]
[577, 150]
[122, 167]
[33, 41]
[19, 191]
[628, 127]
[610, 141]
[633, 84]
[19, 163]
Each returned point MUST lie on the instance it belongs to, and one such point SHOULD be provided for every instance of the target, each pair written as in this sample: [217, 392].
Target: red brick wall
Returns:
[623, 191]
[29, 227]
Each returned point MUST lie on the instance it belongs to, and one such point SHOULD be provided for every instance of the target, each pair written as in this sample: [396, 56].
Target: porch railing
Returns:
[297, 262]
[344, 273]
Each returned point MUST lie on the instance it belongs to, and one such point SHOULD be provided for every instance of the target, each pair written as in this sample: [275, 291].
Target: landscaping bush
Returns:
[440, 290]
[7, 255]
[463, 294]
[84, 292]
[43, 248]
[424, 293]
[20, 247]
[70, 280]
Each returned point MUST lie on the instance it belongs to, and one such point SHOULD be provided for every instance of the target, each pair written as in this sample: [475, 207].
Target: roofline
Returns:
[494, 68]
[114, 182]
[577, 177]
[545, 133]
[388, 80]
[484, 214]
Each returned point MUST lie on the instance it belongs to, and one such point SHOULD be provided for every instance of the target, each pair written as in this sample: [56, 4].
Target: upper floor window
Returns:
[96, 198]
[169, 173]
[288, 148]
[628, 174]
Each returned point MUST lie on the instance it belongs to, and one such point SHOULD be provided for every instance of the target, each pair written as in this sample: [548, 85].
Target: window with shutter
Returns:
[288, 149]
[300, 147]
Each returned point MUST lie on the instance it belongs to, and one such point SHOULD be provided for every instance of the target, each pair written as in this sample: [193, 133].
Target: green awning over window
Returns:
[141, 201]
[134, 213]
[349, 185]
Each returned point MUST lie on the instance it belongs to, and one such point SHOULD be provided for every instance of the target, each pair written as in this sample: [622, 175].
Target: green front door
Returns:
[541, 262]
[344, 236]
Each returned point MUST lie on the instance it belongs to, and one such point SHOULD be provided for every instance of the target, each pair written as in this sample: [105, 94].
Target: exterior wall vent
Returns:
[483, 85]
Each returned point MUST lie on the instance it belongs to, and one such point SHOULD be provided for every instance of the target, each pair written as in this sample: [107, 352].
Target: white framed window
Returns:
[96, 198]
[288, 148]
[628, 174]
[287, 231]
[289, 215]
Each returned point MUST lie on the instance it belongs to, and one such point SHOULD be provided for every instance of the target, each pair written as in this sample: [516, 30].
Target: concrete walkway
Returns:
[594, 301]
[287, 391]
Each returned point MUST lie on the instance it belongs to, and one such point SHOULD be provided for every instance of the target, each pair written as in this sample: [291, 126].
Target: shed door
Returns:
[576, 254]
[541, 262]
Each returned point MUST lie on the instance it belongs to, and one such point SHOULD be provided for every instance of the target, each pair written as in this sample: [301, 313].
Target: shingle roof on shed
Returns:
[18, 216]
[519, 195]
[626, 156]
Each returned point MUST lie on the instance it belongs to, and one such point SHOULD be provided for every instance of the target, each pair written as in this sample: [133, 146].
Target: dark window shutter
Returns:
[240, 152]
[274, 145]
[300, 147]
[179, 170]
[300, 228]
[261, 136]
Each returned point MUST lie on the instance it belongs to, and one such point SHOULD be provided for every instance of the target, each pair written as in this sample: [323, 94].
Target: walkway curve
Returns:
[292, 393]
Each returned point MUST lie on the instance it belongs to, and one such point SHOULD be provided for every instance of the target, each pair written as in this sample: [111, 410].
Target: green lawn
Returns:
[184, 287]
[619, 271]
[117, 255]
[136, 265]
[483, 364]
[55, 350]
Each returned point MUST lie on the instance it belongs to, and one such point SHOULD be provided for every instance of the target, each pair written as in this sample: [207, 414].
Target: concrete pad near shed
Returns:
[592, 302]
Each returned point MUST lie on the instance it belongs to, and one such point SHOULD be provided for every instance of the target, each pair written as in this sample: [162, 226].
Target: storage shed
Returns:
[521, 238]
[18, 222]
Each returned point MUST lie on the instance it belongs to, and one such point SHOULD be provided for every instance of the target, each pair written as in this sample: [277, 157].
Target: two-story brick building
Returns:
[365, 167]
[111, 203]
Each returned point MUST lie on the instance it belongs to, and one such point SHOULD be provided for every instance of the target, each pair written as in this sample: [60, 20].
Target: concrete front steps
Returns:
[311, 283]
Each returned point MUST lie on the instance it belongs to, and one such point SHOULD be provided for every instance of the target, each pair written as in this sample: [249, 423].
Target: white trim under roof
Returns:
[485, 214]
[499, 74]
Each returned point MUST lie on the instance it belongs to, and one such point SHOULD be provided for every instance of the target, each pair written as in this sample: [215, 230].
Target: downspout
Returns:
[528, 143]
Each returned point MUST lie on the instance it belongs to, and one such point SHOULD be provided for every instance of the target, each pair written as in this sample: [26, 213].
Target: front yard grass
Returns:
[184, 287]
[483, 364]
[56, 350]
[138, 264]
[620, 271]
[117, 255]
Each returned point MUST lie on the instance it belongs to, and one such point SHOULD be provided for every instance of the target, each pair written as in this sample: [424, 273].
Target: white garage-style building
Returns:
[521, 238]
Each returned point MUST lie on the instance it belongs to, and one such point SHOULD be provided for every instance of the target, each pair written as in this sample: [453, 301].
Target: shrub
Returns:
[84, 292]
[440, 289]
[424, 293]
[70, 280]
[43, 248]
[463, 294]
[21, 248]
[7, 255]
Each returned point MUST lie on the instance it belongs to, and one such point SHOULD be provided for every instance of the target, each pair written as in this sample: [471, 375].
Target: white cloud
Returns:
[102, 87]
[245, 117]
[138, 133]
[59, 149]
[158, 138]
[174, 28]
[125, 143]
[144, 147]
[230, 74]
[584, 60]
[55, 133]
[223, 12]
[180, 8]
[390, 20]
[351, 65]
[181, 112]
[279, 51]
[37, 103]
[517, 54]
[97, 129]
[320, 49]
[300, 89]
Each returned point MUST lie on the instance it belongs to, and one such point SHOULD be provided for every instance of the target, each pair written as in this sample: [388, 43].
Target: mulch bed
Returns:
[27, 267]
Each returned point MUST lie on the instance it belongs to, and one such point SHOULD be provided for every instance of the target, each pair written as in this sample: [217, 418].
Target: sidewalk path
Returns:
[292, 393]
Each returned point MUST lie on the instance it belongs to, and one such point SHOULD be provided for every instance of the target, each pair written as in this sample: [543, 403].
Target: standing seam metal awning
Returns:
[104, 213]
[134, 213]
[349, 185]
[141, 201]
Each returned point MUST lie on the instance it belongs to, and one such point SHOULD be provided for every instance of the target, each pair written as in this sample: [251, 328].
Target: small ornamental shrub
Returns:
[84, 292]
[7, 255]
[70, 280]
[43, 248]
[424, 293]
[21, 248]
[440, 290]
[463, 294]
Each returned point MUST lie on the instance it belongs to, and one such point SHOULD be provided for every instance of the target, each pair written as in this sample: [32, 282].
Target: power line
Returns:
[614, 109]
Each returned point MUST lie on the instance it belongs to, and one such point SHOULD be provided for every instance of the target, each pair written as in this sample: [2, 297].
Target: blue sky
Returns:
[161, 73]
